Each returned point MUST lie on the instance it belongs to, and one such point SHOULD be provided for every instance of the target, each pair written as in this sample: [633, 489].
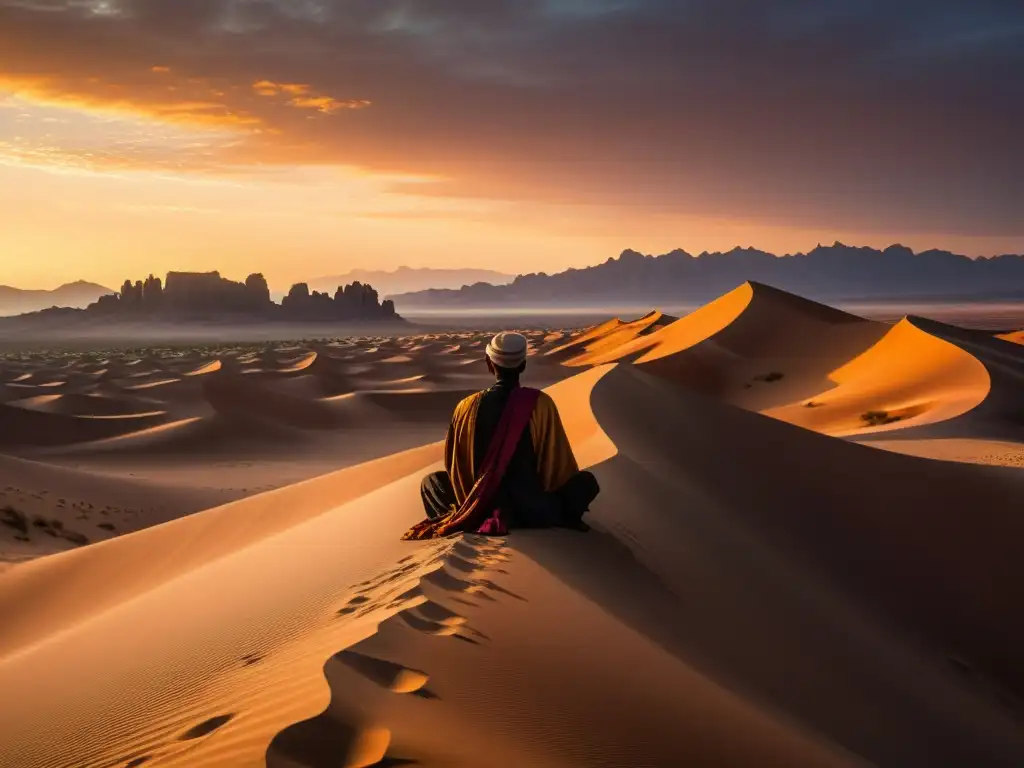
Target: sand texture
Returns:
[766, 582]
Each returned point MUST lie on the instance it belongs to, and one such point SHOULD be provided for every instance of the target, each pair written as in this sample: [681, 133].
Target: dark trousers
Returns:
[564, 507]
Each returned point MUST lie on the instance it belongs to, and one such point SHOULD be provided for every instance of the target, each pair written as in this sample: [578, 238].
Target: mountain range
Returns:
[826, 273]
[411, 279]
[80, 294]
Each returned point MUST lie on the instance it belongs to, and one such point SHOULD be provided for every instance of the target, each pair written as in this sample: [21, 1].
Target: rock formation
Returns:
[207, 295]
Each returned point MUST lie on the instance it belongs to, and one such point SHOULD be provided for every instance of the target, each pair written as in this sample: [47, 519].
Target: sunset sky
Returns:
[307, 137]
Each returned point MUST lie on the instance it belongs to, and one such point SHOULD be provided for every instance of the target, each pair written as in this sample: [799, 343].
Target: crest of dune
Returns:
[211, 367]
[299, 364]
[655, 335]
[909, 378]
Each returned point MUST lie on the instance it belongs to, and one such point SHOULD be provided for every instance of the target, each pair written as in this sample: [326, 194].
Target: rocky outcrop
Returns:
[207, 295]
[351, 302]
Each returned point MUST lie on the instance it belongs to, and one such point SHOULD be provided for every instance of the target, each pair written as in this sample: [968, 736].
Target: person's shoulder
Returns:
[544, 400]
[467, 402]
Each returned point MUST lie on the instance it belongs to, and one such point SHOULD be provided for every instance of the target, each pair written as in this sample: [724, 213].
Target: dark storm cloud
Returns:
[809, 112]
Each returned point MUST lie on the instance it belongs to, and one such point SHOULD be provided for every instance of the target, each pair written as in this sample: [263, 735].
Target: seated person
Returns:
[508, 462]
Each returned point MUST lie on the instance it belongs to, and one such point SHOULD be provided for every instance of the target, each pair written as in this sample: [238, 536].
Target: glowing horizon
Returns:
[447, 139]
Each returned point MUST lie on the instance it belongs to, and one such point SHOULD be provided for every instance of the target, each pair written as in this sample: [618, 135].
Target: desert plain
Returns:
[806, 552]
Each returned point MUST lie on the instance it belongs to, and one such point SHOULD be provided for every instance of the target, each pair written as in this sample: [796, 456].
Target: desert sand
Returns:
[1017, 337]
[769, 579]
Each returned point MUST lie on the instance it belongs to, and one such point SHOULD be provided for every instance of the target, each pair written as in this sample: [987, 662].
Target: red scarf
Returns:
[479, 512]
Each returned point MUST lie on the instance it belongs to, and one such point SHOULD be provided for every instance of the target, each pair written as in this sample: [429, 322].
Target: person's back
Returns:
[504, 461]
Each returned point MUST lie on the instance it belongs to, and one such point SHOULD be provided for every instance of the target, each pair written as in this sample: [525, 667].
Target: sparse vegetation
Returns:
[812, 404]
[76, 538]
[768, 378]
[878, 418]
[12, 518]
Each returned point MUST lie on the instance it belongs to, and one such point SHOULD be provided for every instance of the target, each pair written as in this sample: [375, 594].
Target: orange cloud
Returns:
[94, 95]
[305, 98]
[266, 88]
[327, 104]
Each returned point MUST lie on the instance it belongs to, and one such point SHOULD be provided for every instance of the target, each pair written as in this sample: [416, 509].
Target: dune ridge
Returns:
[823, 369]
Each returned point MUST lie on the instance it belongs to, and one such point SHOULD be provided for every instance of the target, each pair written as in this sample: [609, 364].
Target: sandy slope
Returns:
[208, 425]
[754, 347]
[705, 621]
[753, 592]
[764, 350]
[1017, 337]
[908, 378]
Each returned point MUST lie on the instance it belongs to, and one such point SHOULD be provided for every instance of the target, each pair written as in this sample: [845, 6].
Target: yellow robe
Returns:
[555, 460]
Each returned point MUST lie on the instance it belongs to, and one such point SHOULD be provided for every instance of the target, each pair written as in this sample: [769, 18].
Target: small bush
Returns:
[79, 539]
[812, 404]
[878, 418]
[768, 378]
[12, 518]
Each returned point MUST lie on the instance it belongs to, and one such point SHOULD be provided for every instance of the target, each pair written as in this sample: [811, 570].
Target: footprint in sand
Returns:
[387, 674]
[206, 727]
[465, 566]
[385, 578]
[444, 580]
[438, 614]
[426, 626]
[487, 584]
[489, 554]
[324, 741]
[251, 658]
[441, 622]
[191, 737]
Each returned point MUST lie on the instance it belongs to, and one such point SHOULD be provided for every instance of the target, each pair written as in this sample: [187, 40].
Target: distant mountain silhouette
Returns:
[80, 294]
[826, 273]
[409, 279]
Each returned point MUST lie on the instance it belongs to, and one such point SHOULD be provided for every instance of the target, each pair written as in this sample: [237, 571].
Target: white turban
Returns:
[507, 350]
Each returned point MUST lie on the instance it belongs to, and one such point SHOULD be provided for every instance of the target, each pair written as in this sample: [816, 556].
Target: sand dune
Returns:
[607, 341]
[88, 405]
[755, 347]
[751, 615]
[753, 592]
[1017, 337]
[908, 378]
[26, 427]
[233, 421]
[801, 362]
[44, 508]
